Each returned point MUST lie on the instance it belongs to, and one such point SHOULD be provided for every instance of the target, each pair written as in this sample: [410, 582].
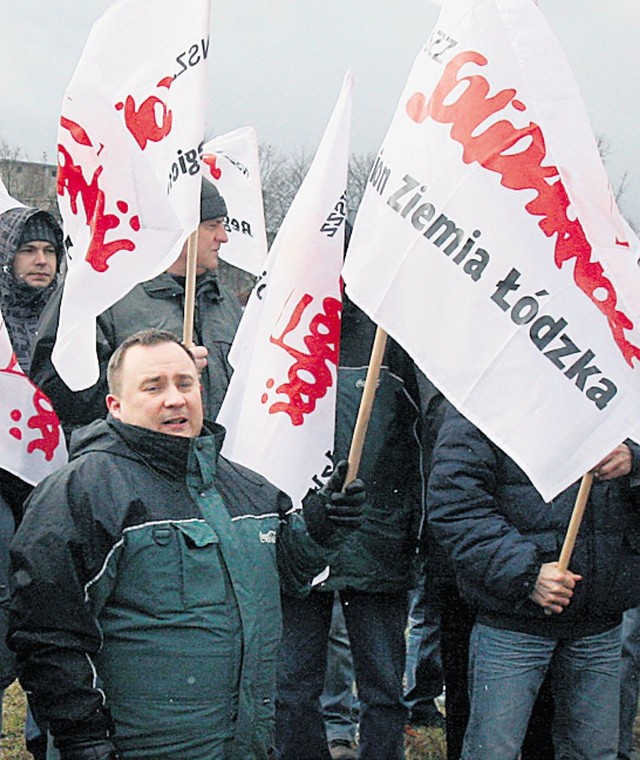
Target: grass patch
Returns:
[425, 744]
[14, 710]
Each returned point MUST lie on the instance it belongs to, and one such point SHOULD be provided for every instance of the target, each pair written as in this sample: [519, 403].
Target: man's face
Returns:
[35, 263]
[159, 389]
[211, 235]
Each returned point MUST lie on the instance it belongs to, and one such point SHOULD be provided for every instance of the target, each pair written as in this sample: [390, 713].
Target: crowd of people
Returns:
[162, 602]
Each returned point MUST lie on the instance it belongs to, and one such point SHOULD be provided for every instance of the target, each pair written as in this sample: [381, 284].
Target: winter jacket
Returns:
[21, 304]
[157, 303]
[146, 582]
[499, 531]
[7, 658]
[379, 556]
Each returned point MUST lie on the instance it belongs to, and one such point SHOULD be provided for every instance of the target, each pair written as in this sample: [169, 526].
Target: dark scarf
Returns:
[22, 306]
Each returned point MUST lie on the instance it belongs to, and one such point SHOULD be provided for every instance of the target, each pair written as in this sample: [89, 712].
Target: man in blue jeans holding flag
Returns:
[533, 616]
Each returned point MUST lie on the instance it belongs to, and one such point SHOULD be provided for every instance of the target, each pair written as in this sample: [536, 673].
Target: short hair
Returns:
[149, 337]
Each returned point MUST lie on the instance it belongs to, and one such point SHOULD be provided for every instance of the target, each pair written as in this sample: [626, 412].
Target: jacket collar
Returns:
[173, 457]
[166, 285]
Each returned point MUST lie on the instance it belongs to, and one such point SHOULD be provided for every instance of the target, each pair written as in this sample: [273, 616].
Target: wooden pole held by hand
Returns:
[576, 520]
[574, 524]
[366, 404]
[190, 289]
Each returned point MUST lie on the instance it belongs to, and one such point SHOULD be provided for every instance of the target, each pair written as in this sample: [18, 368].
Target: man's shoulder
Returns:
[246, 493]
[92, 470]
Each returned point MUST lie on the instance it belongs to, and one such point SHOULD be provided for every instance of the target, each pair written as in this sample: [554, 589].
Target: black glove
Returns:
[331, 508]
[100, 749]
[343, 508]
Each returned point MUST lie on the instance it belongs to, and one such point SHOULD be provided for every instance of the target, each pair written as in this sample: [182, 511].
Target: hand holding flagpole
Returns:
[574, 525]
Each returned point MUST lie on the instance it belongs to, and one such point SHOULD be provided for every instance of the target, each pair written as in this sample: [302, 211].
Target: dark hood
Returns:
[13, 291]
[21, 304]
[11, 225]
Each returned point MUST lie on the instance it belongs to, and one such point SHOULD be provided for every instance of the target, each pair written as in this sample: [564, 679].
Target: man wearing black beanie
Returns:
[157, 303]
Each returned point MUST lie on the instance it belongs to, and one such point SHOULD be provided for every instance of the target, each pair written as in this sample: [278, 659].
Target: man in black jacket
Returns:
[373, 570]
[157, 303]
[533, 616]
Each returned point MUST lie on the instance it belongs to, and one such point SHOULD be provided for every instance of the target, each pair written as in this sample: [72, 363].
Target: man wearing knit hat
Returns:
[31, 251]
[157, 303]
[211, 233]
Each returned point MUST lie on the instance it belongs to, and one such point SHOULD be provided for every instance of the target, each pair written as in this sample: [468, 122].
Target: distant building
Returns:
[31, 183]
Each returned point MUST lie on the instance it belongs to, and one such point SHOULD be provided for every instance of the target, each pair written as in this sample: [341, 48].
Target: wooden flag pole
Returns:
[190, 289]
[576, 520]
[574, 524]
[366, 404]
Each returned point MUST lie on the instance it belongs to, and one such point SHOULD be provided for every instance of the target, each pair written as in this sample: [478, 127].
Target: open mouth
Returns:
[175, 422]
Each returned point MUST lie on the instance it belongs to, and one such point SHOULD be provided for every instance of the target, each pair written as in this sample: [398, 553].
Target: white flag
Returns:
[31, 441]
[232, 165]
[488, 243]
[280, 406]
[130, 136]
[6, 201]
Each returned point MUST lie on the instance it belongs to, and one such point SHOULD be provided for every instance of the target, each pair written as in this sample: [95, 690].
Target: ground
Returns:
[424, 744]
[421, 744]
[12, 742]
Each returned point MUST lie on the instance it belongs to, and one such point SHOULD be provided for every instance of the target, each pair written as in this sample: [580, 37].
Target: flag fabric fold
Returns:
[129, 144]
[280, 406]
[488, 243]
[231, 163]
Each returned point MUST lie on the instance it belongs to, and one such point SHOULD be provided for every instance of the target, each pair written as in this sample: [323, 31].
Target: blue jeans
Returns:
[375, 623]
[339, 703]
[506, 669]
[629, 679]
[423, 674]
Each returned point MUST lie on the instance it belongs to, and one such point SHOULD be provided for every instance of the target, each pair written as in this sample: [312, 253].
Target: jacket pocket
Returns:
[203, 574]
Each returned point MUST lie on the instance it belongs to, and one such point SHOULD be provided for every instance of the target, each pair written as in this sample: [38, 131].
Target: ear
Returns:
[113, 405]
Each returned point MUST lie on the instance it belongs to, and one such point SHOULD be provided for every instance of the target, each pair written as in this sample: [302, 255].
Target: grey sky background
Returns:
[277, 65]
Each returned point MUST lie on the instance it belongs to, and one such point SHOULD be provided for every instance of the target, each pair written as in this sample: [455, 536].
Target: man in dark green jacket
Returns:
[157, 303]
[146, 613]
[373, 570]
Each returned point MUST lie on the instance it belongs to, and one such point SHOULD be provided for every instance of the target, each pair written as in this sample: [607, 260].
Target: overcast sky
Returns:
[277, 65]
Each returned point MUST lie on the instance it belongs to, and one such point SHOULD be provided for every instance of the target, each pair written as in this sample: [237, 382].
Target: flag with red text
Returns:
[488, 243]
[6, 201]
[280, 406]
[129, 144]
[231, 163]
[32, 444]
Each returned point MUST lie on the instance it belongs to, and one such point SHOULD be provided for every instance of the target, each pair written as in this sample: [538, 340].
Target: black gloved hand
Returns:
[99, 749]
[343, 508]
[330, 508]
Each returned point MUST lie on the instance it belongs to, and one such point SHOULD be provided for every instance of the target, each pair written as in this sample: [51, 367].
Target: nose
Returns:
[221, 234]
[39, 257]
[173, 396]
